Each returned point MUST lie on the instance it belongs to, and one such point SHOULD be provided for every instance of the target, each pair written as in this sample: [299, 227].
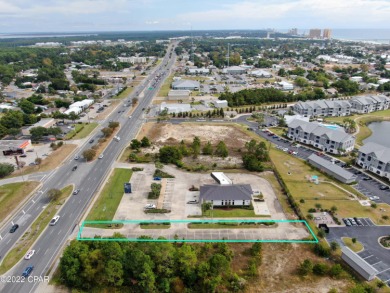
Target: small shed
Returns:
[362, 267]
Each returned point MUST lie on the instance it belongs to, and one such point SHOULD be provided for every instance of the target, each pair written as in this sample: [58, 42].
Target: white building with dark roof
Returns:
[198, 71]
[226, 195]
[234, 70]
[261, 73]
[375, 158]
[323, 108]
[330, 140]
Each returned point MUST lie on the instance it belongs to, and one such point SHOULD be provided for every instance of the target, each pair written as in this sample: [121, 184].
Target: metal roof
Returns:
[226, 192]
[331, 167]
[361, 263]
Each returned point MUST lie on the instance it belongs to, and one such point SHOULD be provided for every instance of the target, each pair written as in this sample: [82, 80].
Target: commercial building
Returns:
[221, 178]
[6, 145]
[234, 70]
[315, 33]
[132, 59]
[175, 108]
[261, 73]
[362, 267]
[184, 84]
[198, 71]
[226, 195]
[220, 103]
[45, 122]
[334, 141]
[323, 108]
[375, 158]
[368, 104]
[175, 95]
[331, 169]
[286, 86]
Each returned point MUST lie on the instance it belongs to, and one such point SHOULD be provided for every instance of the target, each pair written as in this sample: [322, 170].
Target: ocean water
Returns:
[374, 35]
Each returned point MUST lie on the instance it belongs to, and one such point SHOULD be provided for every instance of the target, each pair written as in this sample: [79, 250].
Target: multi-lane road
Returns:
[88, 178]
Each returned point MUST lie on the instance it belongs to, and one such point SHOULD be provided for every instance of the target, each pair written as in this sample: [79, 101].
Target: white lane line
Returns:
[45, 252]
[59, 232]
[8, 241]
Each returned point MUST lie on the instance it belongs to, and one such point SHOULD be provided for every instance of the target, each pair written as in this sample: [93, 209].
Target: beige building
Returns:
[315, 33]
[327, 34]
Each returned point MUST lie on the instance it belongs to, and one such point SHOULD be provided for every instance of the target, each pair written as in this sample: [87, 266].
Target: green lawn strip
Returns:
[230, 213]
[166, 87]
[87, 129]
[324, 193]
[125, 93]
[231, 225]
[278, 130]
[29, 237]
[356, 247]
[155, 225]
[109, 199]
[12, 194]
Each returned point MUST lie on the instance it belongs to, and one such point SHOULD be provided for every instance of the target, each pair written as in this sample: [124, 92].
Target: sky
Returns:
[128, 15]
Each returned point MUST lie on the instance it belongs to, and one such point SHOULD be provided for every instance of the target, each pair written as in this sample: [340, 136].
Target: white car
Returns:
[101, 156]
[294, 153]
[117, 138]
[150, 206]
[374, 197]
[29, 254]
[76, 157]
[54, 220]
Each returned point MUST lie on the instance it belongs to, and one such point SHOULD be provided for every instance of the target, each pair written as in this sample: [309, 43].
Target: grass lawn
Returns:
[325, 194]
[229, 213]
[12, 194]
[86, 129]
[228, 225]
[356, 247]
[29, 237]
[155, 226]
[48, 163]
[125, 93]
[106, 205]
[166, 87]
[279, 130]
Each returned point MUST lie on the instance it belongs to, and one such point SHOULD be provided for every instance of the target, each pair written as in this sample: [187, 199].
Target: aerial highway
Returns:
[88, 178]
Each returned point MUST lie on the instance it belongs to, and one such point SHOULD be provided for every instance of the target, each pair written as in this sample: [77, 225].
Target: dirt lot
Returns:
[278, 272]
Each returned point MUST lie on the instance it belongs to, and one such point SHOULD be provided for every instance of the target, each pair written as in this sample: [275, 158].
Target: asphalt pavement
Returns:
[88, 177]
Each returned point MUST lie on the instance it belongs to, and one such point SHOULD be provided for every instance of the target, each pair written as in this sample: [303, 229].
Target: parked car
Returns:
[353, 223]
[192, 202]
[29, 254]
[54, 220]
[358, 172]
[384, 187]
[374, 197]
[150, 206]
[157, 178]
[358, 221]
[367, 178]
[14, 228]
[347, 223]
[23, 156]
[27, 271]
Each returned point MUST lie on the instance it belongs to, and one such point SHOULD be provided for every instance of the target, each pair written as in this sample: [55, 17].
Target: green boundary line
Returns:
[79, 238]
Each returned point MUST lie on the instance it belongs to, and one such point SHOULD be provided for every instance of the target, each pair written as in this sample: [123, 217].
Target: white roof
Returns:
[222, 178]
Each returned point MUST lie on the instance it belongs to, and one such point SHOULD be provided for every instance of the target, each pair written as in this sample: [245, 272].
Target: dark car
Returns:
[384, 187]
[347, 222]
[91, 141]
[192, 202]
[358, 172]
[358, 221]
[367, 178]
[27, 271]
[14, 228]
[74, 168]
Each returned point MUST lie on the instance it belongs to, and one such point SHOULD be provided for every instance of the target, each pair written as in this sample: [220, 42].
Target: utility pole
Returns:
[228, 56]
[192, 47]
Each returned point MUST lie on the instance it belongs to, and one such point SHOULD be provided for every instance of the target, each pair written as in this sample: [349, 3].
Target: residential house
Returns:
[330, 140]
[375, 158]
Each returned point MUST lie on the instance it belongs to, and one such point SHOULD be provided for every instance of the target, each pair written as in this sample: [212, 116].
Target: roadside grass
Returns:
[48, 163]
[124, 94]
[166, 87]
[86, 129]
[101, 146]
[230, 213]
[12, 194]
[278, 130]
[230, 225]
[155, 226]
[287, 209]
[109, 199]
[30, 236]
[356, 247]
[324, 194]
[108, 110]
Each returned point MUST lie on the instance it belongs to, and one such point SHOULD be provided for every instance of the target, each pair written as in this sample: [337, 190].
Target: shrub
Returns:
[6, 169]
[155, 192]
[335, 270]
[162, 174]
[320, 269]
[306, 267]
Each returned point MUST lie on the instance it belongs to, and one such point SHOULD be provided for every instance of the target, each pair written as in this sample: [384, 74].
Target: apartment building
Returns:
[375, 158]
[368, 104]
[323, 108]
[334, 141]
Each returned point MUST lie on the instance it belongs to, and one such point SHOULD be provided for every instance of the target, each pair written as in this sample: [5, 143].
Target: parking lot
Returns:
[368, 234]
[41, 150]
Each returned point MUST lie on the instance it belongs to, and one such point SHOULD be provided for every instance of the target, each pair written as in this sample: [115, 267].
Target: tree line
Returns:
[154, 267]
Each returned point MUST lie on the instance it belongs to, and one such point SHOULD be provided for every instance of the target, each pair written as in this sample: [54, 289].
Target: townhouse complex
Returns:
[375, 158]
[334, 141]
[358, 104]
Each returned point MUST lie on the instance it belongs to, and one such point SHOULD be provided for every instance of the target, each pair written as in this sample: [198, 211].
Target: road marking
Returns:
[8, 241]
[59, 232]
[45, 252]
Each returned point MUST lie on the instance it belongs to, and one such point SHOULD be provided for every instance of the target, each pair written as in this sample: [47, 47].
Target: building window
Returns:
[369, 158]
[243, 202]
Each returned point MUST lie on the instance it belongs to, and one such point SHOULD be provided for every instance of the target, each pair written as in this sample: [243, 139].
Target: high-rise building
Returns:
[293, 32]
[327, 34]
[315, 33]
